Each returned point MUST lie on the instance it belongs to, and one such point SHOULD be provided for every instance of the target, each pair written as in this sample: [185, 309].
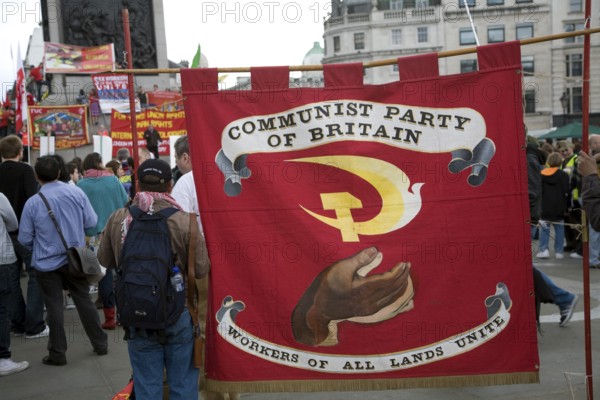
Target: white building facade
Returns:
[370, 30]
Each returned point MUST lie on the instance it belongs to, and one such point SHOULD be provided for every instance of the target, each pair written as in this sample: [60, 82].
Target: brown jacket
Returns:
[109, 253]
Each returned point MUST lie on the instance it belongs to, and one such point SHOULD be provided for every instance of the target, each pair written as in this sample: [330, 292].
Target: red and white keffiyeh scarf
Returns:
[145, 201]
[97, 173]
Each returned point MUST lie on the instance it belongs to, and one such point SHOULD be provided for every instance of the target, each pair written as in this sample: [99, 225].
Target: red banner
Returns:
[69, 59]
[366, 236]
[68, 124]
[165, 101]
[166, 123]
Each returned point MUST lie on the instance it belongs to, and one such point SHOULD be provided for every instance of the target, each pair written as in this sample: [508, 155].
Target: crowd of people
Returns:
[86, 203]
[559, 205]
[557, 176]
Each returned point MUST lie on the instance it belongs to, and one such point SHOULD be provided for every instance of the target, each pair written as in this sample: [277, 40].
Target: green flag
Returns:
[196, 60]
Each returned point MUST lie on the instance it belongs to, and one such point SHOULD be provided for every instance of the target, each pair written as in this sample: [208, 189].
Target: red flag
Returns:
[21, 114]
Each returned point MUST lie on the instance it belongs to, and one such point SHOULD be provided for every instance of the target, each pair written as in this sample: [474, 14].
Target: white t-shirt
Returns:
[184, 194]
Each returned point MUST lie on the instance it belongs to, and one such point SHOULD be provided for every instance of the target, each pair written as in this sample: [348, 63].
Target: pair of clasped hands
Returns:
[344, 291]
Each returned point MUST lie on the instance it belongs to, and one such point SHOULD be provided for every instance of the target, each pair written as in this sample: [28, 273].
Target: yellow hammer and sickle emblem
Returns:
[398, 205]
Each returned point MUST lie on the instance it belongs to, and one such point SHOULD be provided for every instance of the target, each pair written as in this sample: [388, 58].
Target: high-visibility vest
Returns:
[570, 169]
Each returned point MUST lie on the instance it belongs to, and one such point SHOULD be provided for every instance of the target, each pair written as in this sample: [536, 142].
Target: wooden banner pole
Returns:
[131, 89]
[370, 64]
[587, 318]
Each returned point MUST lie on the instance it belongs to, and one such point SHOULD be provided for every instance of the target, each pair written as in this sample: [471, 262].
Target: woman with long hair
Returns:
[106, 194]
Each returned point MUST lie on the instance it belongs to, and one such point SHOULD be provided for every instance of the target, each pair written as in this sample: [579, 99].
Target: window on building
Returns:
[422, 34]
[495, 34]
[395, 68]
[575, 5]
[575, 100]
[470, 3]
[524, 31]
[523, 1]
[466, 36]
[359, 8]
[396, 36]
[359, 41]
[529, 98]
[337, 45]
[468, 66]
[401, 4]
[528, 64]
[574, 64]
[396, 4]
[572, 27]
[495, 2]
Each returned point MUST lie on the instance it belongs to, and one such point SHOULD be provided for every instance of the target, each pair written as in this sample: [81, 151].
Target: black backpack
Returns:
[145, 297]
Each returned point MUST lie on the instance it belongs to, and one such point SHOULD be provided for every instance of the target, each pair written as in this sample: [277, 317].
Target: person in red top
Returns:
[37, 75]
[7, 103]
[24, 135]
[30, 99]
[94, 103]
[11, 122]
[3, 122]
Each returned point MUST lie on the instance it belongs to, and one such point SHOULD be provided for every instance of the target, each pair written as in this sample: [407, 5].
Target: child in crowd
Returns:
[555, 204]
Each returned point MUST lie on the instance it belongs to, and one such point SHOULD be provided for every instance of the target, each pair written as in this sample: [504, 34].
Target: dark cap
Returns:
[156, 168]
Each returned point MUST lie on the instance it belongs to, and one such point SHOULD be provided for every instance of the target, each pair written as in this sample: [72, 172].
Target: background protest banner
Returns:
[113, 93]
[165, 101]
[67, 124]
[66, 58]
[366, 236]
[166, 123]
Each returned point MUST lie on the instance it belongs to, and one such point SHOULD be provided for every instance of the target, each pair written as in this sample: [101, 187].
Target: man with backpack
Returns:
[148, 245]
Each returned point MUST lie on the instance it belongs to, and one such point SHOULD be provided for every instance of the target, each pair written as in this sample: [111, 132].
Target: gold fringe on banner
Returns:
[373, 384]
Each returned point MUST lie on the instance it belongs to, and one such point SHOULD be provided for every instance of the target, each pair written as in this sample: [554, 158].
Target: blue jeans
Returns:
[559, 235]
[562, 298]
[25, 317]
[594, 246]
[149, 358]
[533, 230]
[5, 300]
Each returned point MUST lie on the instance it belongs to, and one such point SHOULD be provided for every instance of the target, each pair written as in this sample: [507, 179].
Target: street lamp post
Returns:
[564, 102]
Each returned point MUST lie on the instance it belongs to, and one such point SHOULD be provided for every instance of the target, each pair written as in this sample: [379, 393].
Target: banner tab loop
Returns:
[343, 75]
[418, 67]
